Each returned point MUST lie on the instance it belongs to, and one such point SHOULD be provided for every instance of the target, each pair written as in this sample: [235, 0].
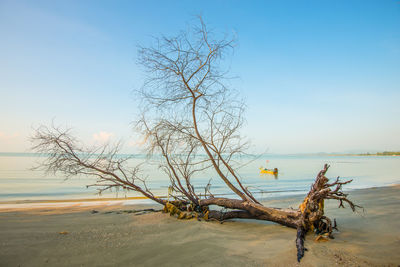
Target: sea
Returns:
[20, 182]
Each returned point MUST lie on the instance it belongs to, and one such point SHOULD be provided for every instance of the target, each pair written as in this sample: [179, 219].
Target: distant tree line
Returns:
[384, 153]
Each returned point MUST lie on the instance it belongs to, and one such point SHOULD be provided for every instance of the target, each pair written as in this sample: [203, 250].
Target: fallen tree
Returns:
[192, 119]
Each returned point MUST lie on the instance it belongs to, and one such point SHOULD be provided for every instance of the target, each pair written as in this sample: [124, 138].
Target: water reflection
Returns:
[264, 174]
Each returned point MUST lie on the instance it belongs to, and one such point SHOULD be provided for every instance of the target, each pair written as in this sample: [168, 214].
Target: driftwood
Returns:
[63, 156]
[192, 120]
[309, 216]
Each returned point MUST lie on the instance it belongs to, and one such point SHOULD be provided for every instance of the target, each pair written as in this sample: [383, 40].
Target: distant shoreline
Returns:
[366, 154]
[141, 155]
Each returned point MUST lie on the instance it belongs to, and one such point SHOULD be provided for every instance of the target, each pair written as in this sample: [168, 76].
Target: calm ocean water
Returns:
[296, 173]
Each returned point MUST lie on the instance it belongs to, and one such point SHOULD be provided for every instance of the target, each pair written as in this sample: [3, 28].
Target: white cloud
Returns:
[7, 137]
[137, 143]
[102, 137]
[13, 142]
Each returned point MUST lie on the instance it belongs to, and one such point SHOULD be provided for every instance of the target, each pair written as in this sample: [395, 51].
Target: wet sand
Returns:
[72, 235]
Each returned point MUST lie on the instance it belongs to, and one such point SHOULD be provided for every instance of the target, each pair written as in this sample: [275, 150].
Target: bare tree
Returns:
[192, 119]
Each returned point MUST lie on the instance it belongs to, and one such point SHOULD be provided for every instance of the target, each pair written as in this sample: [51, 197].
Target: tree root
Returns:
[300, 237]
[309, 217]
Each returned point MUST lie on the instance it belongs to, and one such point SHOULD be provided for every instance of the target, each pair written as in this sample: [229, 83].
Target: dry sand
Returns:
[111, 237]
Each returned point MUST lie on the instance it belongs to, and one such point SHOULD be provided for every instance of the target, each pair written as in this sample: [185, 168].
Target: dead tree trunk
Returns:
[309, 216]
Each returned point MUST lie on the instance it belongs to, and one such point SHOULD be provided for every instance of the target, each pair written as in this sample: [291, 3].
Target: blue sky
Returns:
[317, 76]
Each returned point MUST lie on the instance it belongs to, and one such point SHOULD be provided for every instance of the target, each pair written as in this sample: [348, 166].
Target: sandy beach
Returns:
[114, 235]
